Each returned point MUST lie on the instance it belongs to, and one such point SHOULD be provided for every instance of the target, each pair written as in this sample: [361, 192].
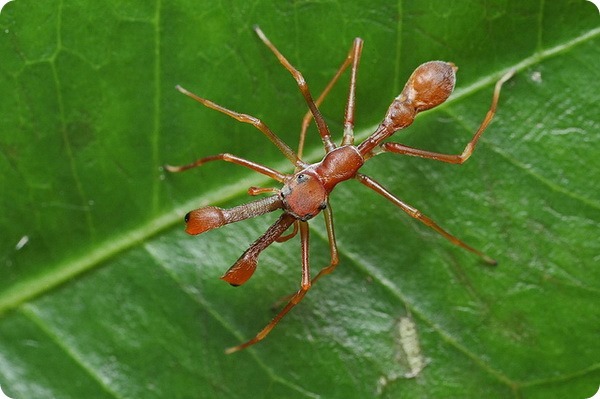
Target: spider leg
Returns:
[294, 300]
[351, 58]
[272, 173]
[245, 118]
[303, 86]
[415, 213]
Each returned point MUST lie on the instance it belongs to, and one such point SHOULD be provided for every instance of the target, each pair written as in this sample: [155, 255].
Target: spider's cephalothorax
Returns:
[305, 193]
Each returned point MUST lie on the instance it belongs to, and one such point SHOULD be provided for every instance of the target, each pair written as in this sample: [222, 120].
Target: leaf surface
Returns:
[102, 294]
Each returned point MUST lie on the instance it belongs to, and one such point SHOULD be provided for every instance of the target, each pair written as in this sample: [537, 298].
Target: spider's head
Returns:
[304, 195]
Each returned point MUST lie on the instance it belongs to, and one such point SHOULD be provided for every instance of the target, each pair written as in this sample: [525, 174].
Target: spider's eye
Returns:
[301, 178]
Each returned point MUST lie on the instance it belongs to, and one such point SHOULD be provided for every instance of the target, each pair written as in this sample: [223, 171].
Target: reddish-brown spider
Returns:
[305, 193]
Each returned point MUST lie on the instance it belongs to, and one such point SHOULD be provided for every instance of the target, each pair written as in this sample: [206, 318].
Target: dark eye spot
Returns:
[323, 206]
[301, 178]
[187, 217]
[306, 217]
[285, 191]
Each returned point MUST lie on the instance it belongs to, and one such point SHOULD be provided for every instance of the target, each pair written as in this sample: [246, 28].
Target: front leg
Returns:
[272, 173]
[245, 266]
[294, 300]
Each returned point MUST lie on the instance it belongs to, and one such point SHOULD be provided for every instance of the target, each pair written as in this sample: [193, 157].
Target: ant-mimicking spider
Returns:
[305, 193]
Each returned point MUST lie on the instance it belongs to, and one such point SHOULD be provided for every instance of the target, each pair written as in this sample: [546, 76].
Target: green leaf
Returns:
[102, 295]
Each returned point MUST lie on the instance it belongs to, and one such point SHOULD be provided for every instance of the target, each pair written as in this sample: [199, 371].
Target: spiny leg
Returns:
[262, 190]
[308, 116]
[290, 235]
[349, 117]
[295, 299]
[272, 173]
[321, 125]
[268, 190]
[327, 213]
[208, 218]
[246, 264]
[415, 213]
[334, 257]
[460, 158]
[245, 118]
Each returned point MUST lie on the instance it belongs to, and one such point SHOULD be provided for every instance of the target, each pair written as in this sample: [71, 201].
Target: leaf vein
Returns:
[30, 312]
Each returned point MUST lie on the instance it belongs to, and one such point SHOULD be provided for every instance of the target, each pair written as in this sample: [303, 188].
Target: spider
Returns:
[305, 193]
